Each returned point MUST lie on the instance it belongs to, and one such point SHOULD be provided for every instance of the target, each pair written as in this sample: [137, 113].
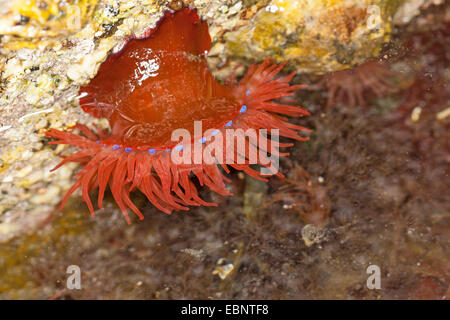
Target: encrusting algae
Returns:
[315, 36]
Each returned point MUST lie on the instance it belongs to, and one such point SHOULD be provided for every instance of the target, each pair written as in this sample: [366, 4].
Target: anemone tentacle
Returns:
[170, 186]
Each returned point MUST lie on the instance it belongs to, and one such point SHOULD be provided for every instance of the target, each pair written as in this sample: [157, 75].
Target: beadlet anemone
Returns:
[161, 83]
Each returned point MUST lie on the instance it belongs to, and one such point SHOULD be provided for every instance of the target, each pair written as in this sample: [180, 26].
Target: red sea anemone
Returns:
[351, 87]
[162, 83]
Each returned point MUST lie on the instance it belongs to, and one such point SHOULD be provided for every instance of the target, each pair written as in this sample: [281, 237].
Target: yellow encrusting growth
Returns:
[30, 18]
[315, 35]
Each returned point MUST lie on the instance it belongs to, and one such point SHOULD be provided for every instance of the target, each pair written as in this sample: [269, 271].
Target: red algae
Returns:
[160, 84]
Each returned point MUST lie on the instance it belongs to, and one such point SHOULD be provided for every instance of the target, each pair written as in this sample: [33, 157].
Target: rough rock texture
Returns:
[375, 175]
[41, 74]
[409, 9]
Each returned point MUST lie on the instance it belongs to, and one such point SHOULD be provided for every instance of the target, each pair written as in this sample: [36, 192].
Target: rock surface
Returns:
[375, 173]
